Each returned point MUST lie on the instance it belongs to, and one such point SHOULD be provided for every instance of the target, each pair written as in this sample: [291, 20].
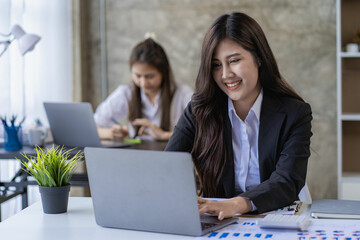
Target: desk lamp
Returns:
[27, 41]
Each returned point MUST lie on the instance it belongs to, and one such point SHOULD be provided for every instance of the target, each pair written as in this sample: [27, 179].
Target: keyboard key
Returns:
[205, 225]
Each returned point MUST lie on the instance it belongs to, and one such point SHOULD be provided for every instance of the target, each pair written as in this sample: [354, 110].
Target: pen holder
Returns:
[12, 138]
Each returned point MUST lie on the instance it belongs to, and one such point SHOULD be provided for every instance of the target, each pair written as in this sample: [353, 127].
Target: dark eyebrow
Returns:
[227, 57]
[233, 55]
[149, 74]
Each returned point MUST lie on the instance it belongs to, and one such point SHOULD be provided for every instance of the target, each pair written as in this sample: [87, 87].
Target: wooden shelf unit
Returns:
[348, 99]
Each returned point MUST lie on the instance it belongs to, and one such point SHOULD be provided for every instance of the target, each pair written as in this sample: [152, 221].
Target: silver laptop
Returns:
[73, 125]
[337, 209]
[146, 190]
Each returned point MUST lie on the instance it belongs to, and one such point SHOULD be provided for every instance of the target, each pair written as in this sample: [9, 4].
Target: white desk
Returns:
[78, 223]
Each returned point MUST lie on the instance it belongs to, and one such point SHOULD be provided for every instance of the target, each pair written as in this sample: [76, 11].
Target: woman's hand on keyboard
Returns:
[226, 208]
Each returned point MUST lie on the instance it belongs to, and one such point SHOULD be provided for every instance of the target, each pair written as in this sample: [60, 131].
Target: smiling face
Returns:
[146, 77]
[235, 71]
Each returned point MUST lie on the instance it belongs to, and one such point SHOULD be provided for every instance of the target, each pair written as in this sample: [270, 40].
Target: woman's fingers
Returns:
[141, 122]
[119, 132]
[205, 206]
[221, 215]
[226, 208]
[203, 210]
[141, 130]
[156, 132]
[201, 200]
[124, 130]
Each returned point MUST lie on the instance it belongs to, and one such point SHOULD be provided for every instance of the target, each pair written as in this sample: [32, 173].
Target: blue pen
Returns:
[12, 120]
[4, 121]
[114, 121]
[21, 122]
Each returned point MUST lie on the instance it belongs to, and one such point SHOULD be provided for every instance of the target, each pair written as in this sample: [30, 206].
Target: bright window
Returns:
[45, 74]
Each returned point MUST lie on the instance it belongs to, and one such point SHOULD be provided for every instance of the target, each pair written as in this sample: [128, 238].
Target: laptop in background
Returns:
[73, 125]
[146, 190]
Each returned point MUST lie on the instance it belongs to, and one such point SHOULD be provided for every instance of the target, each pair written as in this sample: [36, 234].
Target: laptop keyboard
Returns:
[205, 225]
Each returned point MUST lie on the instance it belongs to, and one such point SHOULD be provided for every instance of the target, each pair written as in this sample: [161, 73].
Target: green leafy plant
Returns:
[53, 167]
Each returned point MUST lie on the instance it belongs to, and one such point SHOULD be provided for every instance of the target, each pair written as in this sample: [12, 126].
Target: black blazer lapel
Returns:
[271, 122]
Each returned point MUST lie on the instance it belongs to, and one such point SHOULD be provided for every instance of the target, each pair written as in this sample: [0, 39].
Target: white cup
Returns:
[352, 47]
[36, 136]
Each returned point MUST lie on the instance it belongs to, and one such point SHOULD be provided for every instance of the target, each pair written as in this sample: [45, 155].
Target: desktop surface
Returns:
[77, 223]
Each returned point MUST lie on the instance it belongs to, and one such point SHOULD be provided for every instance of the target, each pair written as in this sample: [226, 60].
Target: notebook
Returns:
[73, 125]
[146, 190]
[331, 208]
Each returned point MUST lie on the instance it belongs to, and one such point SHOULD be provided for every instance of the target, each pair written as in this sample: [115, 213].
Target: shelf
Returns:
[350, 117]
[348, 82]
[351, 177]
[350, 55]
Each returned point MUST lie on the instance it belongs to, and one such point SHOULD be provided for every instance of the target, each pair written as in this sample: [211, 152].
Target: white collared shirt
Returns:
[245, 136]
[116, 107]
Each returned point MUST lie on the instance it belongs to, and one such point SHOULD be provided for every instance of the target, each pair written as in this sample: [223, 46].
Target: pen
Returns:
[114, 121]
[4, 121]
[136, 127]
[12, 120]
[21, 122]
[136, 131]
[121, 122]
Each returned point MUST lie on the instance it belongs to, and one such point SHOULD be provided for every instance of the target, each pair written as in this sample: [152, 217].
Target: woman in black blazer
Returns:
[246, 128]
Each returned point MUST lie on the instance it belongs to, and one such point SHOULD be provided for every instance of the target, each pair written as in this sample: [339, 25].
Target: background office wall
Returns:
[302, 34]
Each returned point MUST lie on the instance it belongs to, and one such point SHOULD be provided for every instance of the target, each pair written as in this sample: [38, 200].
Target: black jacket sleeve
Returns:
[182, 139]
[283, 174]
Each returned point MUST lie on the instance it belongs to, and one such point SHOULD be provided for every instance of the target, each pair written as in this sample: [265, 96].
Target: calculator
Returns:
[280, 221]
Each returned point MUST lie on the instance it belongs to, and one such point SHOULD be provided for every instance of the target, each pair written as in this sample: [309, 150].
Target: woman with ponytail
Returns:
[152, 104]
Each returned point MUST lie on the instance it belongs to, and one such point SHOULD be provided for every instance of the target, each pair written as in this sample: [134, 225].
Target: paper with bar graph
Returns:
[246, 228]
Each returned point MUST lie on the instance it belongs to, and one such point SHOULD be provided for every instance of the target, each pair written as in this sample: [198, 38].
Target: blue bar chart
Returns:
[246, 228]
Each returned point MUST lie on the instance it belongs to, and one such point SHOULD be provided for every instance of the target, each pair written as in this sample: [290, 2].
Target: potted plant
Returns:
[356, 38]
[353, 46]
[52, 170]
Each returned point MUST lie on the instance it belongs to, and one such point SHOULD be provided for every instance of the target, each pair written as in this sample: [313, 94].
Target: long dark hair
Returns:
[209, 100]
[150, 52]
